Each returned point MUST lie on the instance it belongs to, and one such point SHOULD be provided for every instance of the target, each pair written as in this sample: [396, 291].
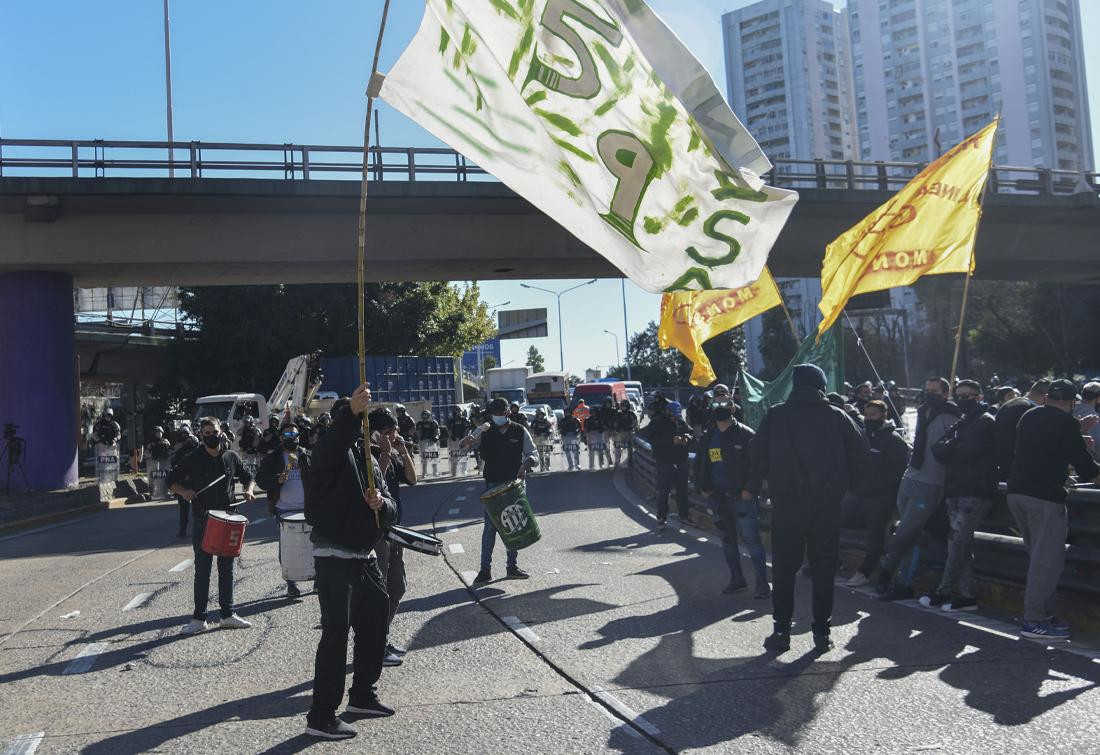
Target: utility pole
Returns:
[168, 86]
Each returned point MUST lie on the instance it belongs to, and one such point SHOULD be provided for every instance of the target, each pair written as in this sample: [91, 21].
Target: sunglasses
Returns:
[290, 435]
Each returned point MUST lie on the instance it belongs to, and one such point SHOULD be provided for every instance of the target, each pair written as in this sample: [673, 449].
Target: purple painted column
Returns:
[38, 375]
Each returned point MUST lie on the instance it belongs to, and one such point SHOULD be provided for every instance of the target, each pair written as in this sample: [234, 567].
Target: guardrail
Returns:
[999, 552]
[99, 158]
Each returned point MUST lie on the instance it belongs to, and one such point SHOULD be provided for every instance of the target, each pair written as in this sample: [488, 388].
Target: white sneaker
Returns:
[234, 622]
[195, 626]
[859, 579]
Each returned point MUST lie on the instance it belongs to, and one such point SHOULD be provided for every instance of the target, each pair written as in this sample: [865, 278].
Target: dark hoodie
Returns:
[968, 453]
[808, 450]
[887, 460]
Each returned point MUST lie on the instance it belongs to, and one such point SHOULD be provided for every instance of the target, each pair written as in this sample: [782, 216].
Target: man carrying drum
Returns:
[205, 479]
[508, 453]
[282, 474]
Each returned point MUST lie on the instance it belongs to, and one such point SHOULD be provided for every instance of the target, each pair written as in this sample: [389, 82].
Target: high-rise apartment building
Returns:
[927, 73]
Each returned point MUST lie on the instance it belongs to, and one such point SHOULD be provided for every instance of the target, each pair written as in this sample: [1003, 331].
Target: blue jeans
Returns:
[488, 542]
[741, 519]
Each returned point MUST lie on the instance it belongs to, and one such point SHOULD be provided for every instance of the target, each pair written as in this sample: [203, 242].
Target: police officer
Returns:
[405, 424]
[542, 431]
[626, 422]
[516, 415]
[249, 443]
[427, 434]
[106, 430]
[596, 437]
[458, 427]
[569, 427]
[324, 422]
[158, 450]
[305, 430]
[269, 439]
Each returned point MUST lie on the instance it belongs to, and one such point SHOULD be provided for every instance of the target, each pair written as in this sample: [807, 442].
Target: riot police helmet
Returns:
[108, 413]
[325, 419]
[158, 432]
[425, 415]
[247, 420]
[400, 409]
[513, 407]
[540, 413]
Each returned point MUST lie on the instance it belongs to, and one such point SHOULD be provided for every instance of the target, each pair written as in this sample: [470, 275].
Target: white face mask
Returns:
[500, 421]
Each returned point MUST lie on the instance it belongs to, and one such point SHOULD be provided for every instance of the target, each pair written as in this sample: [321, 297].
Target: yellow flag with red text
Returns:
[927, 228]
[690, 318]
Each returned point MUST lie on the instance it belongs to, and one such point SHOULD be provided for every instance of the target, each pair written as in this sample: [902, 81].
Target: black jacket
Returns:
[968, 453]
[1004, 432]
[267, 474]
[887, 458]
[735, 458]
[335, 507]
[198, 471]
[1048, 441]
[660, 431]
[808, 450]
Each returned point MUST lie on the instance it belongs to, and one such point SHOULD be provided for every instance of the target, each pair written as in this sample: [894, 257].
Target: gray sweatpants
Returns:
[1044, 526]
[917, 501]
[964, 514]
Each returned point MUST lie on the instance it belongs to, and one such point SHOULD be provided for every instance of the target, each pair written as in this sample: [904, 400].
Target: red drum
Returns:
[224, 535]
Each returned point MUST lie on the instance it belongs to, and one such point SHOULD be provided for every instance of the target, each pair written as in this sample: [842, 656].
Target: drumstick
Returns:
[215, 482]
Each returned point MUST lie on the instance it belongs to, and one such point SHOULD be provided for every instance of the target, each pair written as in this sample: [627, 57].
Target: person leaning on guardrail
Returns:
[1048, 440]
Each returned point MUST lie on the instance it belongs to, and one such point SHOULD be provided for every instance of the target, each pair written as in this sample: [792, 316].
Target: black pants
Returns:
[810, 528]
[352, 596]
[391, 565]
[185, 511]
[203, 563]
[672, 474]
[876, 512]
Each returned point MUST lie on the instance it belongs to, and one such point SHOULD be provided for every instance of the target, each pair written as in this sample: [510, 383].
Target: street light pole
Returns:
[617, 357]
[558, 294]
[168, 86]
[626, 332]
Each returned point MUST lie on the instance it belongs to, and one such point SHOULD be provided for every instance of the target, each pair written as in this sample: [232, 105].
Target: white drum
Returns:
[295, 548]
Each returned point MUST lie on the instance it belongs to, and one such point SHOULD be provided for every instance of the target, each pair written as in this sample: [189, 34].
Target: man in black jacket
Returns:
[970, 484]
[874, 493]
[283, 474]
[809, 452]
[671, 440]
[721, 473]
[1008, 416]
[348, 520]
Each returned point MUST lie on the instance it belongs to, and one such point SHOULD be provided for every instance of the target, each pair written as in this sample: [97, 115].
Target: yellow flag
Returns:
[690, 318]
[927, 228]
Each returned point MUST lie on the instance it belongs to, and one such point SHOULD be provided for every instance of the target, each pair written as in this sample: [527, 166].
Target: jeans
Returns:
[917, 502]
[203, 563]
[351, 596]
[810, 528]
[1043, 525]
[391, 565]
[876, 513]
[488, 542]
[672, 474]
[964, 515]
[741, 519]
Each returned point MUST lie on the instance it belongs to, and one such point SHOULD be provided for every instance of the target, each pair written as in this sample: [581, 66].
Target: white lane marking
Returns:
[683, 532]
[70, 615]
[619, 723]
[701, 539]
[468, 577]
[261, 520]
[621, 708]
[85, 658]
[990, 630]
[460, 498]
[138, 601]
[520, 628]
[470, 488]
[183, 565]
[452, 512]
[456, 548]
[25, 744]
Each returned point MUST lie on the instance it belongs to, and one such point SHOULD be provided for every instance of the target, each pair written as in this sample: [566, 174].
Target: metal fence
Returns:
[99, 158]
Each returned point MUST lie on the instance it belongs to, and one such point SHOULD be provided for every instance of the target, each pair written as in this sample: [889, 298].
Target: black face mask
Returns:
[933, 399]
[290, 444]
[212, 441]
[873, 424]
[723, 415]
[966, 404]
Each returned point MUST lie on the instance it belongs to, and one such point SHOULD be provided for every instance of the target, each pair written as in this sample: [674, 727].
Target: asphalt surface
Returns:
[621, 641]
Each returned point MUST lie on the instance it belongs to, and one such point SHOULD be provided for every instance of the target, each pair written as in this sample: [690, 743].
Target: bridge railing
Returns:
[99, 158]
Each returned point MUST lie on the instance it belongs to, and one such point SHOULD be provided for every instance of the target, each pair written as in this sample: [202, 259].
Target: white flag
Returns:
[598, 115]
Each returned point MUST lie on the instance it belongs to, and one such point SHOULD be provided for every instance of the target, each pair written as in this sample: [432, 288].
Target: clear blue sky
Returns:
[280, 71]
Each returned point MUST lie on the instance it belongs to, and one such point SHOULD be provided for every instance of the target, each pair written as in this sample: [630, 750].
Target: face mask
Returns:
[500, 421]
[211, 441]
[290, 443]
[966, 404]
[873, 424]
[933, 399]
[723, 415]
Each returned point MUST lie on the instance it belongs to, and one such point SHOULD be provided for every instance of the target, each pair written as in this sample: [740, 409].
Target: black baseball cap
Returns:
[1062, 390]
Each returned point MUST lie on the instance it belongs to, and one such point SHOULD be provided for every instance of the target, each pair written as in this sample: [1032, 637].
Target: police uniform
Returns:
[427, 432]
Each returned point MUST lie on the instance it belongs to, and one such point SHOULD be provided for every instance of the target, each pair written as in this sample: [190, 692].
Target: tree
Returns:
[651, 364]
[488, 363]
[535, 360]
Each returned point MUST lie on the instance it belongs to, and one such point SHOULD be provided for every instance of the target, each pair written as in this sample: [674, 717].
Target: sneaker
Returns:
[333, 729]
[961, 604]
[195, 626]
[368, 706]
[234, 622]
[483, 577]
[897, 592]
[1057, 623]
[1043, 631]
[822, 643]
[292, 590]
[859, 579]
[662, 524]
[396, 650]
[935, 599]
[762, 592]
[514, 572]
[778, 642]
[390, 660]
[735, 585]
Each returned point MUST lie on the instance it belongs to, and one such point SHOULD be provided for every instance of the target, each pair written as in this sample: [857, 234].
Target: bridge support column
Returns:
[38, 381]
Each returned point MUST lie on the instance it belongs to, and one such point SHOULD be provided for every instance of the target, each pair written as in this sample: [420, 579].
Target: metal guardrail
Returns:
[999, 552]
[98, 158]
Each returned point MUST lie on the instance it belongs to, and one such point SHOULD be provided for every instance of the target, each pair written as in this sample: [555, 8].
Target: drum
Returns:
[511, 514]
[295, 547]
[224, 535]
[414, 541]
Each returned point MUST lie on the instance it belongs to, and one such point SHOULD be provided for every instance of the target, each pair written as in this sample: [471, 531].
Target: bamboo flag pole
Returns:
[787, 312]
[372, 92]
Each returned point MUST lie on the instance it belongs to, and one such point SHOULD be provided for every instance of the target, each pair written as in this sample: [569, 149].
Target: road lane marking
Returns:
[619, 723]
[138, 601]
[259, 521]
[460, 498]
[456, 548]
[85, 658]
[452, 512]
[25, 744]
[701, 539]
[183, 565]
[623, 710]
[520, 628]
[468, 577]
[470, 488]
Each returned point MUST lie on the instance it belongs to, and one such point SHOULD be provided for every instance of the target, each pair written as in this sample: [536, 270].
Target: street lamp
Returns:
[617, 362]
[558, 294]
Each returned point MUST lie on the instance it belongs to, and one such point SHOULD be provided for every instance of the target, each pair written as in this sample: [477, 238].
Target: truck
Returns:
[509, 383]
[551, 388]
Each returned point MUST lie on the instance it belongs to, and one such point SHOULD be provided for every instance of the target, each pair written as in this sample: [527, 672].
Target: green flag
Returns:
[828, 354]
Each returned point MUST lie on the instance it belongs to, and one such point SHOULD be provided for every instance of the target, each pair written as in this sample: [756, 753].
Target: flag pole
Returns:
[959, 331]
[361, 256]
[783, 303]
[874, 370]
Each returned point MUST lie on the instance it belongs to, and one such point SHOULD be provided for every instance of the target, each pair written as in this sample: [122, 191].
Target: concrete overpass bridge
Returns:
[98, 213]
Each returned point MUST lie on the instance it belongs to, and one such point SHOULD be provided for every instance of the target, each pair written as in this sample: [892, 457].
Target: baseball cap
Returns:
[1062, 390]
